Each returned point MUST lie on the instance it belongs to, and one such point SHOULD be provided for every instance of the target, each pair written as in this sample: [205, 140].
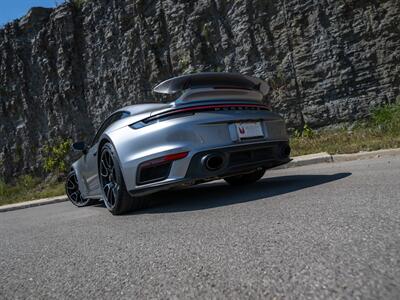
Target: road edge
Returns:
[33, 203]
[325, 157]
[298, 161]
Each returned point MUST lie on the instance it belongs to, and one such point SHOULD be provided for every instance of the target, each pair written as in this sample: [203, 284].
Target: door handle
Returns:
[94, 154]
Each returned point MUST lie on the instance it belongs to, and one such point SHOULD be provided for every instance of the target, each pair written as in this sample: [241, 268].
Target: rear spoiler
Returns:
[217, 80]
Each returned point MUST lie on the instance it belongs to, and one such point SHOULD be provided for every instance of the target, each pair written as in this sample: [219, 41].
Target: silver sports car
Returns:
[217, 128]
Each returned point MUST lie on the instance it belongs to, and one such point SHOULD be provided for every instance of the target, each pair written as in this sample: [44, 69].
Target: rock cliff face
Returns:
[63, 70]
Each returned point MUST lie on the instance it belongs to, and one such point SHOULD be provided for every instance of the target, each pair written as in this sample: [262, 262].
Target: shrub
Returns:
[56, 156]
[387, 118]
[306, 132]
[27, 182]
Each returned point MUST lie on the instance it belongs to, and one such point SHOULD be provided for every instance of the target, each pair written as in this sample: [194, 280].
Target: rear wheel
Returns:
[73, 192]
[115, 196]
[245, 178]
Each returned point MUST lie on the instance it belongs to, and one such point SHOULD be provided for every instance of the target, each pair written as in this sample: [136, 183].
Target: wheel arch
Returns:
[76, 169]
[103, 141]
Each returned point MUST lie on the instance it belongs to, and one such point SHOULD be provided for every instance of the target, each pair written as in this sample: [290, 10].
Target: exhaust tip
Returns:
[213, 162]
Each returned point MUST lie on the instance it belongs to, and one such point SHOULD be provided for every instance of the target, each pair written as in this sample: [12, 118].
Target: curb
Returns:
[325, 157]
[297, 161]
[33, 203]
[366, 155]
[306, 160]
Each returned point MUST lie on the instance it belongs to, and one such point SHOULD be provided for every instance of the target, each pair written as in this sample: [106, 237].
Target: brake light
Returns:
[164, 159]
[176, 156]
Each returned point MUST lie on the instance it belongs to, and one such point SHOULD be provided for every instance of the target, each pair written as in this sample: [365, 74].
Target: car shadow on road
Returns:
[219, 193]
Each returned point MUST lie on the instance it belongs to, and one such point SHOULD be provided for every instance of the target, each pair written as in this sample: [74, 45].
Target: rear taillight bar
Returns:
[200, 108]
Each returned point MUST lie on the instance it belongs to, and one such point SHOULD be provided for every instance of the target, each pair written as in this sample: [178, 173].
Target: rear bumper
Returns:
[237, 159]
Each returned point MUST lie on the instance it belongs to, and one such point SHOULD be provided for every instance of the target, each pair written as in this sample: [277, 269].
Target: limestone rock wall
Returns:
[63, 70]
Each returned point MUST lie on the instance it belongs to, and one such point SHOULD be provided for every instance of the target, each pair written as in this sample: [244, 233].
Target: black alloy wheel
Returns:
[73, 192]
[115, 196]
[108, 178]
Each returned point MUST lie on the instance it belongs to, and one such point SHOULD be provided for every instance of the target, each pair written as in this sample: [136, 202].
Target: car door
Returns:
[90, 159]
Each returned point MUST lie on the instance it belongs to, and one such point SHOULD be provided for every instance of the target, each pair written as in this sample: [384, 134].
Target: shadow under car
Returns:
[216, 194]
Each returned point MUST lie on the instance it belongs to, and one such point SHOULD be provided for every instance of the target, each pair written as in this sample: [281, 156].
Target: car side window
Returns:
[111, 119]
[124, 115]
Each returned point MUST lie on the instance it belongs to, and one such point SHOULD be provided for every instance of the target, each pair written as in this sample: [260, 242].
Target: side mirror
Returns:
[79, 146]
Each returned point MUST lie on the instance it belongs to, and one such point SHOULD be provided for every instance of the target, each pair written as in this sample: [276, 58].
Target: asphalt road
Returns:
[322, 231]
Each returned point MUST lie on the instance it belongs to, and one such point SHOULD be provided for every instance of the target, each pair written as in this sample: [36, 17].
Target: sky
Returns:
[14, 9]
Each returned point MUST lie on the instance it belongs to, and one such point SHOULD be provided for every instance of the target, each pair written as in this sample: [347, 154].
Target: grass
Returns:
[28, 188]
[344, 141]
[382, 131]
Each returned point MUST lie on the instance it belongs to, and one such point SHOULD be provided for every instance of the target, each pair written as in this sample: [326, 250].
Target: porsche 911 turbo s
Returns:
[218, 128]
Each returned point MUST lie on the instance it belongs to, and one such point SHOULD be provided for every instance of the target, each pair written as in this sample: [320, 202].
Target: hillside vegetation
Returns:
[381, 131]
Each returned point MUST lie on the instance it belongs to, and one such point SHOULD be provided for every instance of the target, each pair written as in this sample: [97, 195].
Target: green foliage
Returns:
[306, 132]
[184, 62]
[28, 181]
[297, 133]
[380, 132]
[21, 185]
[387, 118]
[56, 156]
[27, 187]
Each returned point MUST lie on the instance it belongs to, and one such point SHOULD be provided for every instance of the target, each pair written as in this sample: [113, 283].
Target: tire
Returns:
[244, 179]
[115, 196]
[73, 193]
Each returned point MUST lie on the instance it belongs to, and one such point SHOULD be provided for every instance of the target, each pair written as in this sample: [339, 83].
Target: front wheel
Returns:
[245, 178]
[73, 192]
[115, 196]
